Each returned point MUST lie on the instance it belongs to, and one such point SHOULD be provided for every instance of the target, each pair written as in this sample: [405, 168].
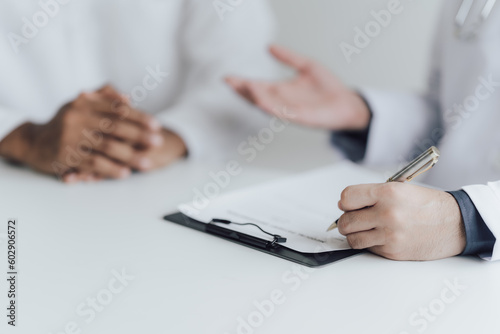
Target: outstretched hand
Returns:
[313, 98]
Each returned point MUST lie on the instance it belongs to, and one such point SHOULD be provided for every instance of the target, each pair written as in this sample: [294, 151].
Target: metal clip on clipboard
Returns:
[213, 228]
[274, 247]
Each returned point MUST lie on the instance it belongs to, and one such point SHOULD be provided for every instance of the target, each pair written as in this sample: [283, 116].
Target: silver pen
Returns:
[421, 164]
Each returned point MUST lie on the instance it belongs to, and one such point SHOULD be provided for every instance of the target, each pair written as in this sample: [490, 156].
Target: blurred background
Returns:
[396, 59]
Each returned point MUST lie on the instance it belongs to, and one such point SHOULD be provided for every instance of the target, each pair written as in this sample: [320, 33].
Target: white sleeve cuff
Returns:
[400, 123]
[213, 136]
[181, 123]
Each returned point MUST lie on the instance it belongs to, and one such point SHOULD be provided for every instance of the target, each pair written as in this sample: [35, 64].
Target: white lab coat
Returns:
[462, 105]
[170, 56]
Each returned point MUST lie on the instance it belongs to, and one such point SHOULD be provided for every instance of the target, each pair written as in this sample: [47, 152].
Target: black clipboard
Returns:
[307, 259]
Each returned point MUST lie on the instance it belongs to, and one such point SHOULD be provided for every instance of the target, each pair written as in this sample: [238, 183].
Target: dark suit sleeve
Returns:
[353, 143]
[480, 240]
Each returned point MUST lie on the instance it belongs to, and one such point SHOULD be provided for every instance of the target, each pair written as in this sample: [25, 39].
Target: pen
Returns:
[421, 164]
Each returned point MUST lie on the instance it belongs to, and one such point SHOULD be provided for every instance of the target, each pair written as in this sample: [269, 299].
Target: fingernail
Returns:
[125, 98]
[156, 139]
[124, 173]
[154, 124]
[92, 178]
[70, 178]
[144, 163]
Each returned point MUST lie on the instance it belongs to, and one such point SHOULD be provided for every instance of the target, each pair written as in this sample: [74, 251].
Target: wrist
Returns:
[16, 146]
[177, 146]
[454, 219]
[361, 114]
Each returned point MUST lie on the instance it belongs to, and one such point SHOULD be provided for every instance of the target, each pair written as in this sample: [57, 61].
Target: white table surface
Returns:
[71, 238]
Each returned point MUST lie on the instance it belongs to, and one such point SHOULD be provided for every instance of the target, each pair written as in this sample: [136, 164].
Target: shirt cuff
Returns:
[479, 238]
[353, 143]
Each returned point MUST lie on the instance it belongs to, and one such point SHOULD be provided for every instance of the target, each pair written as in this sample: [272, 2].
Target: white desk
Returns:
[71, 238]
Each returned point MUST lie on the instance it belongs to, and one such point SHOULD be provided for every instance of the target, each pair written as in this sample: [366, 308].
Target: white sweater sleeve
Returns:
[486, 198]
[208, 115]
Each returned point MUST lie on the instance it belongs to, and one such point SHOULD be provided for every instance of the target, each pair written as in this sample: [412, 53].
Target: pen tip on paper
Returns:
[333, 226]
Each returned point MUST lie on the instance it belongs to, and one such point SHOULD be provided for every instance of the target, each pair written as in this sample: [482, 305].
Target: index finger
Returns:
[358, 197]
[290, 58]
[119, 104]
[126, 112]
[110, 93]
[256, 92]
[251, 90]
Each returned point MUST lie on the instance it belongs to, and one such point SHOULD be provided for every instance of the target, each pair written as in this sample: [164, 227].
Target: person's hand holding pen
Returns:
[402, 221]
[395, 220]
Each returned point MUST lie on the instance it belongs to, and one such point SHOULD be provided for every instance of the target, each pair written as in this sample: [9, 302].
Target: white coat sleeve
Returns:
[486, 199]
[210, 118]
[404, 125]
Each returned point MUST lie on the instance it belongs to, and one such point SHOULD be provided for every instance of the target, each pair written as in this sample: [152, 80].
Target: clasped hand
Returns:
[98, 135]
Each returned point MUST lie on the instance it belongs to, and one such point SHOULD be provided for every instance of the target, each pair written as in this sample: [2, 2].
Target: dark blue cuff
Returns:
[480, 240]
[353, 143]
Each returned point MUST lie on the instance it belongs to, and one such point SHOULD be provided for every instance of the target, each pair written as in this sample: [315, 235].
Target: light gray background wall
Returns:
[397, 59]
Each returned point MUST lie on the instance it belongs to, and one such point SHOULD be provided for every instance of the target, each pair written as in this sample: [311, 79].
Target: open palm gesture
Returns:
[313, 98]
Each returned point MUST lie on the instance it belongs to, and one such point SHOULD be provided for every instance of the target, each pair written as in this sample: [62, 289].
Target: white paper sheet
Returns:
[299, 208]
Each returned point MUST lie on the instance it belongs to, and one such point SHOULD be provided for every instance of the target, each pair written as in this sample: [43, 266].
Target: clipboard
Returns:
[312, 260]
